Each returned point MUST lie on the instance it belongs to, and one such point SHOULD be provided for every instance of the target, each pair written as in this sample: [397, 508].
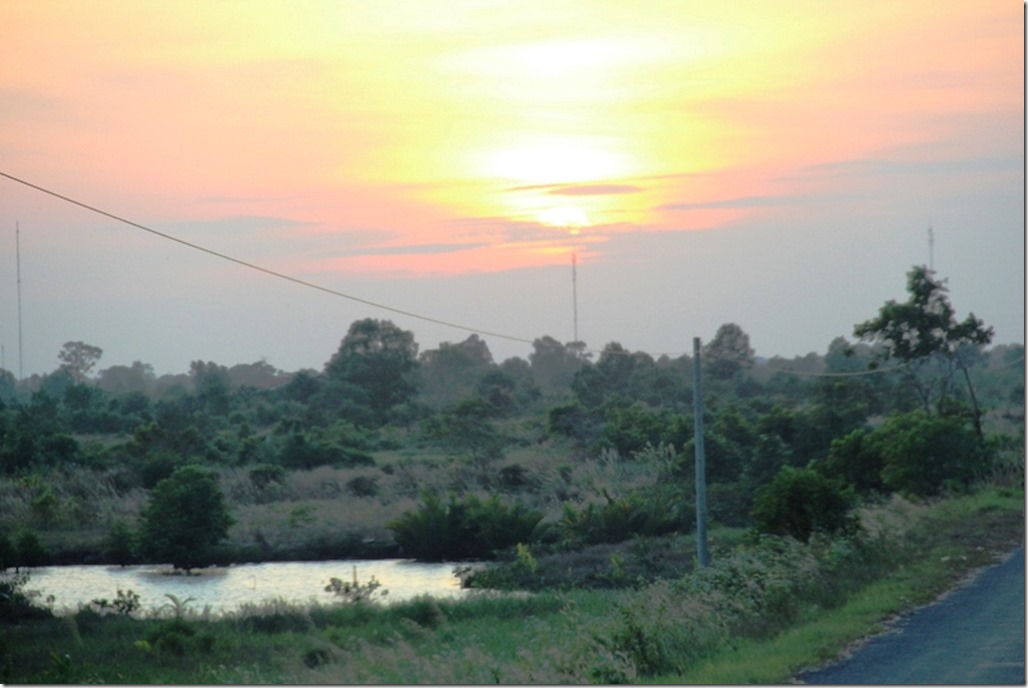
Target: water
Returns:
[226, 589]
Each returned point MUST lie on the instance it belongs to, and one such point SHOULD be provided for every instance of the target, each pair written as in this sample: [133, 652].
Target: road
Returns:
[972, 635]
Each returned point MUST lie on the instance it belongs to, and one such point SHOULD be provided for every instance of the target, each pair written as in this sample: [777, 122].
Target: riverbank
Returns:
[812, 598]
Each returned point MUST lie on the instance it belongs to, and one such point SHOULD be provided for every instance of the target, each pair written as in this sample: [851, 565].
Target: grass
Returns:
[781, 616]
[956, 537]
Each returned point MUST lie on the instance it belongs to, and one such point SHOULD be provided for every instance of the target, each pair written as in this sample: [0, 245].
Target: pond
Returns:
[225, 589]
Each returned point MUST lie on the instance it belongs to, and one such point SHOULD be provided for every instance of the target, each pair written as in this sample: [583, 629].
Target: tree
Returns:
[468, 429]
[185, 519]
[373, 368]
[452, 371]
[924, 336]
[78, 359]
[799, 502]
[31, 552]
[119, 379]
[922, 454]
[554, 364]
[728, 353]
[855, 459]
[211, 385]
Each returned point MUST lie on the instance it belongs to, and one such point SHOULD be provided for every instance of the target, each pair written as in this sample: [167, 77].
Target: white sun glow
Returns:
[566, 216]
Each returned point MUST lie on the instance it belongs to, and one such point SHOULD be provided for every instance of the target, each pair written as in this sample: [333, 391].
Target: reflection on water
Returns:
[226, 589]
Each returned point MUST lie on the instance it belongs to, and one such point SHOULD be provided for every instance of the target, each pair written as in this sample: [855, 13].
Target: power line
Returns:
[259, 268]
[357, 299]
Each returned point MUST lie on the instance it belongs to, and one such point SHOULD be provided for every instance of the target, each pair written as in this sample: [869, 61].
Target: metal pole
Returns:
[21, 347]
[701, 466]
[574, 290]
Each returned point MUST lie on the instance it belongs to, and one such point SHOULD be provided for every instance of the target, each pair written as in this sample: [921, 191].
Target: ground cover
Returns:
[765, 608]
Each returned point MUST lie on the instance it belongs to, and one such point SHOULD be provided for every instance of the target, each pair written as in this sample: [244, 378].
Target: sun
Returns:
[565, 216]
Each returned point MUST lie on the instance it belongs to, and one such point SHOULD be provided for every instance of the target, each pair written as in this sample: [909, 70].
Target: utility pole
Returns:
[701, 463]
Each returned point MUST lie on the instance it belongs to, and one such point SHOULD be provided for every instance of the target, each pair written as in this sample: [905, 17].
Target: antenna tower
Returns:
[931, 248]
[574, 290]
[17, 251]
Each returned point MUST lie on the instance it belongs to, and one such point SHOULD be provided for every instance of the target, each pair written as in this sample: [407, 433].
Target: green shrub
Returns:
[30, 549]
[463, 529]
[517, 477]
[624, 517]
[300, 452]
[855, 459]
[8, 553]
[923, 453]
[15, 605]
[172, 637]
[362, 486]
[799, 502]
[185, 519]
[264, 475]
[120, 545]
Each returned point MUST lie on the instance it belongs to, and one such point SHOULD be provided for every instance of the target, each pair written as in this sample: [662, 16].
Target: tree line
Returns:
[916, 402]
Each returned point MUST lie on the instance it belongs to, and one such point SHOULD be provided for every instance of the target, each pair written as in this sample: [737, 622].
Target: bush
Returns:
[922, 453]
[799, 502]
[855, 459]
[463, 529]
[362, 486]
[301, 453]
[184, 520]
[120, 545]
[625, 517]
[8, 553]
[15, 605]
[264, 475]
[30, 550]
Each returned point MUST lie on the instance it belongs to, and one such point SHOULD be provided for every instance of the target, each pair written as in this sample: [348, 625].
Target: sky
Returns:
[639, 173]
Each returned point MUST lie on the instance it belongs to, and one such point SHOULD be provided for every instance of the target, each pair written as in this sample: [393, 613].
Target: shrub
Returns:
[264, 475]
[126, 602]
[302, 453]
[185, 518]
[855, 459]
[120, 545]
[631, 428]
[172, 637]
[621, 518]
[517, 477]
[15, 605]
[799, 502]
[354, 591]
[30, 550]
[8, 553]
[923, 453]
[463, 529]
[362, 486]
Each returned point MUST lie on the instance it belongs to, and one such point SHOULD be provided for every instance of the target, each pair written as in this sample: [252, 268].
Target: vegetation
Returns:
[766, 608]
[185, 519]
[570, 477]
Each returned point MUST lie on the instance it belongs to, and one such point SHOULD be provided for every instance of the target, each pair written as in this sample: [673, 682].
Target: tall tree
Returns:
[374, 367]
[79, 359]
[451, 372]
[728, 353]
[121, 379]
[554, 364]
[924, 335]
[211, 385]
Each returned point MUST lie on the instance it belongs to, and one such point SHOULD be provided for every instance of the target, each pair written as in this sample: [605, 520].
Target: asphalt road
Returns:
[972, 635]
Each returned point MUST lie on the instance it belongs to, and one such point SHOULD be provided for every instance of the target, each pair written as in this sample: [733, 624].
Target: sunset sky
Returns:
[772, 164]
